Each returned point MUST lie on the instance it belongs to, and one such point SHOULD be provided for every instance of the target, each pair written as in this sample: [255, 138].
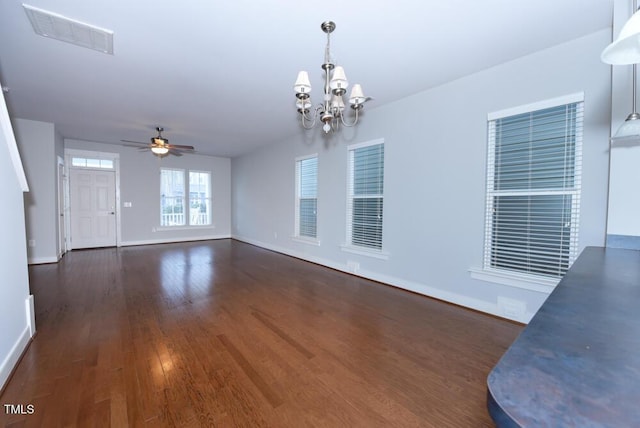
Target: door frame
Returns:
[63, 205]
[115, 157]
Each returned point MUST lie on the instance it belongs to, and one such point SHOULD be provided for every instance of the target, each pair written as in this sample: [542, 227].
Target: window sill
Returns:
[305, 240]
[512, 279]
[169, 228]
[376, 254]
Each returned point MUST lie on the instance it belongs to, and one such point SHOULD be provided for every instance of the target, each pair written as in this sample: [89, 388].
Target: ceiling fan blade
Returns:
[175, 152]
[181, 147]
[140, 148]
[134, 142]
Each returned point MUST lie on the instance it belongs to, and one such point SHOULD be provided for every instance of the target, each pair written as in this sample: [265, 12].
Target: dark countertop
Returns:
[577, 363]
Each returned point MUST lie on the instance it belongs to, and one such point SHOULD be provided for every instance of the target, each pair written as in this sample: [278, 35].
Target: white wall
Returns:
[435, 156]
[140, 185]
[37, 145]
[14, 287]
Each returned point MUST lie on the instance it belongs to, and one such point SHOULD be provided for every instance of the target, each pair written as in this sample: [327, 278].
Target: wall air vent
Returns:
[54, 26]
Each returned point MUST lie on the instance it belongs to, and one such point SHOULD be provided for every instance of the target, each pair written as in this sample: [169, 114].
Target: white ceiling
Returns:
[219, 75]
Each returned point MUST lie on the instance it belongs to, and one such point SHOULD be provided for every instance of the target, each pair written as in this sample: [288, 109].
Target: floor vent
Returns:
[54, 26]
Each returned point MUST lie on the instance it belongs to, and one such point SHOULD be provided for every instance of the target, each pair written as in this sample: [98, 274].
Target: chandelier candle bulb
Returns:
[337, 103]
[303, 85]
[357, 96]
[339, 81]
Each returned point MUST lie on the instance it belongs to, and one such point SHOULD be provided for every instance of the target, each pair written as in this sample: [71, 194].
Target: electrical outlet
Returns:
[352, 266]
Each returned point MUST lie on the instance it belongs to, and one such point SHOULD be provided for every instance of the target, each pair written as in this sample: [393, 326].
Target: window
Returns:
[533, 188]
[307, 197]
[173, 198]
[365, 195]
[92, 163]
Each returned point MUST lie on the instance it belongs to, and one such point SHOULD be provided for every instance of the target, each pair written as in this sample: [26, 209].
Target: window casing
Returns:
[533, 189]
[306, 218]
[365, 193]
[174, 198]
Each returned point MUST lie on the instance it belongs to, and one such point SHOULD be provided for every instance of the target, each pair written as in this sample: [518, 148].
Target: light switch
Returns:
[127, 204]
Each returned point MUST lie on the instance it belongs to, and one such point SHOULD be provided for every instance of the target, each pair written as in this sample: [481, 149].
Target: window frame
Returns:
[184, 198]
[208, 198]
[298, 235]
[187, 201]
[514, 277]
[83, 162]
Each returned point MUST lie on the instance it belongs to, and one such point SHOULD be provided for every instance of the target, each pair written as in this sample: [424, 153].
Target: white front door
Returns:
[93, 208]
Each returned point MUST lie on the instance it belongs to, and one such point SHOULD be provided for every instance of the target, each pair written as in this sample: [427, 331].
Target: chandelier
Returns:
[331, 110]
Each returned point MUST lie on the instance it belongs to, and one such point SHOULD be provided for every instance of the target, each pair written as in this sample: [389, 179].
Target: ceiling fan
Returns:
[159, 145]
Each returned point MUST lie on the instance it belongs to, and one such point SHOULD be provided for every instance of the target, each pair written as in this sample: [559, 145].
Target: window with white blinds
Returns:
[533, 190]
[307, 197]
[365, 195]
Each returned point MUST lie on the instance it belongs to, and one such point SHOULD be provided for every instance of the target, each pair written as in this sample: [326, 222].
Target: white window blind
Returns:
[533, 190]
[307, 197]
[365, 195]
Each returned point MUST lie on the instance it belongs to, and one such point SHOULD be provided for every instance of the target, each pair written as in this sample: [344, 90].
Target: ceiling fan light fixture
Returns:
[160, 150]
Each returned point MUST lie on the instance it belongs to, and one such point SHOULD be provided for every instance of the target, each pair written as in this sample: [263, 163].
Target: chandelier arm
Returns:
[313, 119]
[349, 125]
[304, 123]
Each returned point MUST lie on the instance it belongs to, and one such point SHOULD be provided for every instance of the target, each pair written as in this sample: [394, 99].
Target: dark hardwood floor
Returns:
[221, 333]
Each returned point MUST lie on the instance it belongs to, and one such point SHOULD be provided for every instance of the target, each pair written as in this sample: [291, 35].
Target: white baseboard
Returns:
[172, 240]
[426, 290]
[42, 260]
[13, 357]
